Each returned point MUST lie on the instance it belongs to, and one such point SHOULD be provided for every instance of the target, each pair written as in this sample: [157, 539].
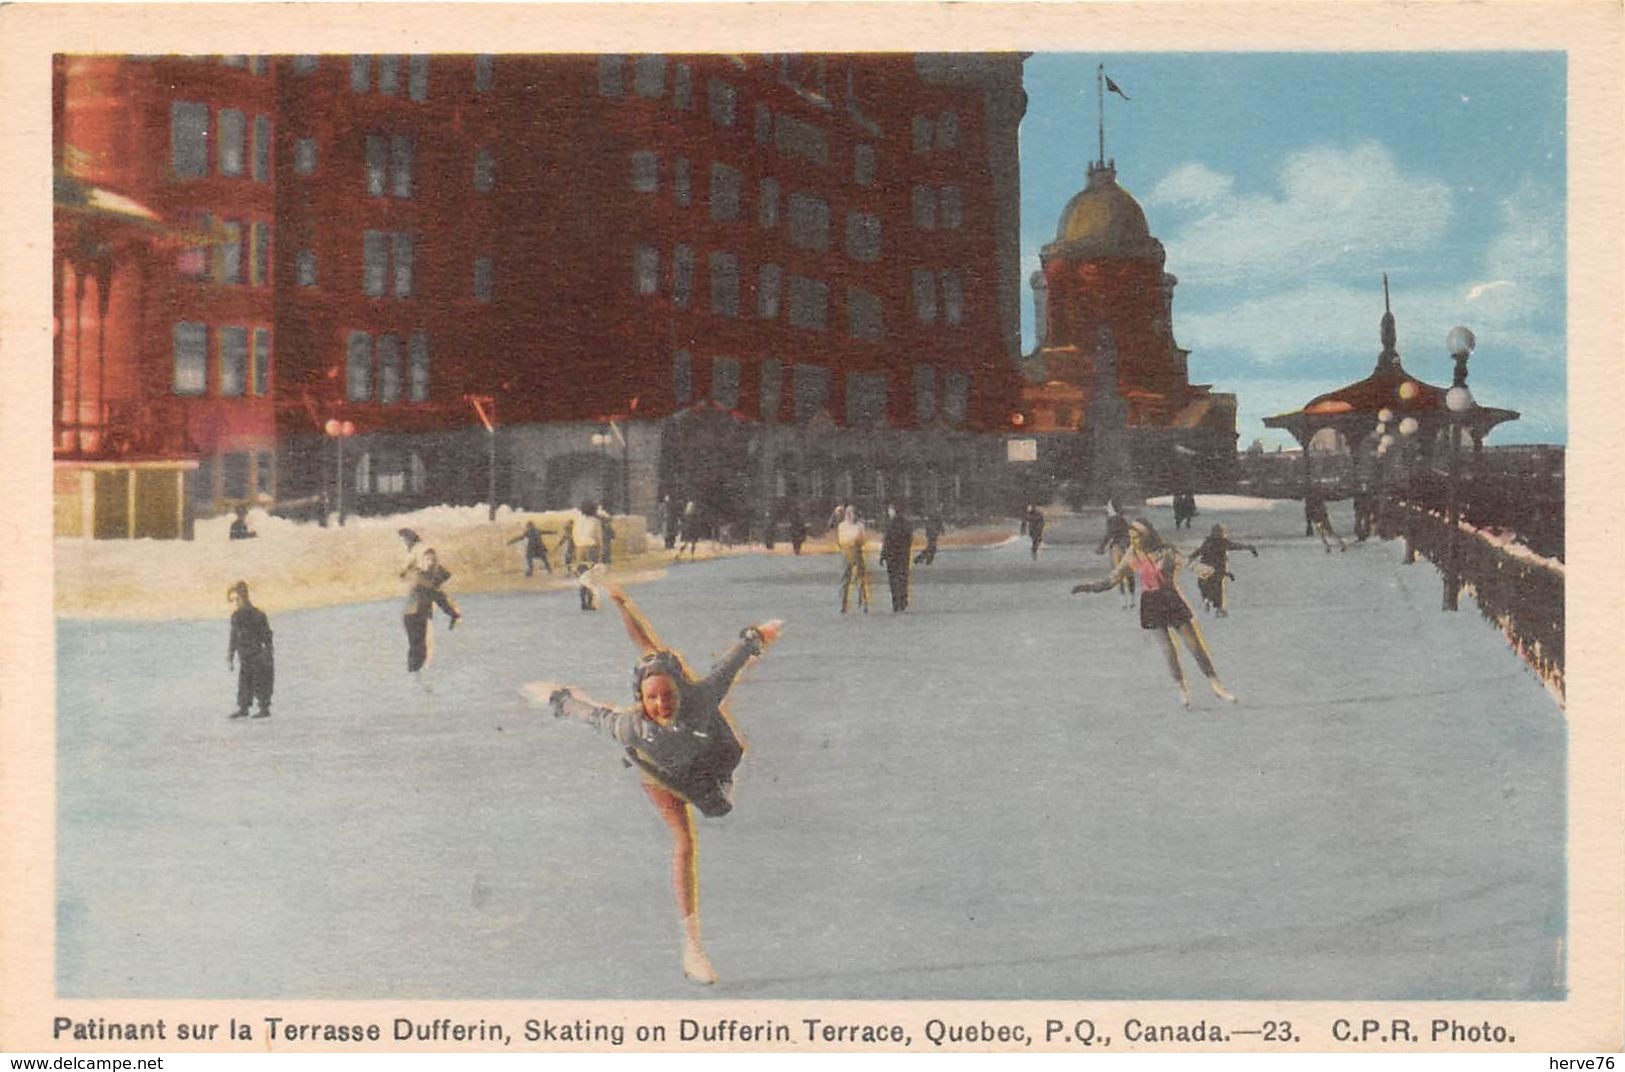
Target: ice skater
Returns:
[425, 578]
[896, 549]
[1211, 564]
[252, 650]
[682, 741]
[1032, 526]
[1162, 607]
[1116, 540]
[849, 537]
[933, 533]
[688, 532]
[1320, 521]
[535, 547]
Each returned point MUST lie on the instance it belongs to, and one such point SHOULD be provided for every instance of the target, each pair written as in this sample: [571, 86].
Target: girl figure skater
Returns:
[1211, 564]
[682, 742]
[1162, 607]
[849, 537]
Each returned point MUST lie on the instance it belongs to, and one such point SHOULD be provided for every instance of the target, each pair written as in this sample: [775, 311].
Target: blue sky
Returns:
[1284, 185]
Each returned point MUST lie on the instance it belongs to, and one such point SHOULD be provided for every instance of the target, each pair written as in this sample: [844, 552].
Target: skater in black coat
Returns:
[251, 648]
[896, 549]
[933, 533]
[1211, 564]
[1032, 526]
[535, 547]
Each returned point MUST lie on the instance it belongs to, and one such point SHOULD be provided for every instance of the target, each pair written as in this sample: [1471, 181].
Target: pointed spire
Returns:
[1390, 335]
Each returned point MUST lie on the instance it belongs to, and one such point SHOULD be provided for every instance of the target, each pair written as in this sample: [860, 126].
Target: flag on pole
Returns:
[1115, 88]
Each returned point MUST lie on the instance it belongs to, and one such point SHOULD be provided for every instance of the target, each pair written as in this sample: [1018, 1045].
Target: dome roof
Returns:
[1104, 220]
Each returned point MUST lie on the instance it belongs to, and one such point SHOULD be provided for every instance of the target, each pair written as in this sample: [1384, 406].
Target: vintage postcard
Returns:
[811, 528]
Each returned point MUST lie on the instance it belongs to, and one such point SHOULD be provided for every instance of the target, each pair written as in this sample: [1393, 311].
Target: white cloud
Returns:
[1192, 185]
[1336, 207]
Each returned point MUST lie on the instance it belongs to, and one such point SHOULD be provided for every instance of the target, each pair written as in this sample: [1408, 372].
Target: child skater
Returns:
[681, 740]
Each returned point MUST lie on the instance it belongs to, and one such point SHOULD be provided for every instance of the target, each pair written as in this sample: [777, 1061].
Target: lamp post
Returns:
[338, 431]
[602, 440]
[1459, 402]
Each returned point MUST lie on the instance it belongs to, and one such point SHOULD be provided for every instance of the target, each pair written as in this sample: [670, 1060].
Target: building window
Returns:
[948, 130]
[772, 388]
[304, 268]
[374, 263]
[924, 200]
[864, 317]
[264, 473]
[259, 263]
[262, 362]
[925, 295]
[645, 269]
[724, 269]
[191, 353]
[682, 376]
[725, 184]
[809, 388]
[809, 222]
[234, 475]
[955, 395]
[417, 86]
[233, 130]
[229, 253]
[262, 148]
[400, 165]
[863, 164]
[953, 207]
[484, 169]
[360, 74]
[768, 204]
[764, 124]
[233, 345]
[922, 134]
[795, 138]
[925, 393]
[189, 139]
[645, 171]
[649, 76]
[389, 75]
[401, 246]
[389, 369]
[722, 100]
[377, 164]
[484, 272]
[809, 303]
[306, 64]
[304, 156]
[862, 236]
[953, 299]
[485, 73]
[682, 88]
[417, 356]
[682, 276]
[865, 398]
[769, 280]
[683, 182]
[611, 76]
[358, 368]
[725, 382]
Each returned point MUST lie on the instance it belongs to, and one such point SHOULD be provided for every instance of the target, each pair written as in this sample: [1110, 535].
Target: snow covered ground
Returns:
[995, 795]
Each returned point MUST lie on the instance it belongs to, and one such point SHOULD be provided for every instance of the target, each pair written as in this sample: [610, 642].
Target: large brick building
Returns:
[752, 281]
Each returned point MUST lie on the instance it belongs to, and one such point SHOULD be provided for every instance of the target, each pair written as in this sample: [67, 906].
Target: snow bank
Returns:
[1219, 502]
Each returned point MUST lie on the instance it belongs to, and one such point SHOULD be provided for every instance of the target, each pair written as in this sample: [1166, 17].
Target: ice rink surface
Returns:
[994, 795]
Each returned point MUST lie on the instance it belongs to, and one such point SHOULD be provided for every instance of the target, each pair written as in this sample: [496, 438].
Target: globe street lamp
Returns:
[338, 431]
[1458, 401]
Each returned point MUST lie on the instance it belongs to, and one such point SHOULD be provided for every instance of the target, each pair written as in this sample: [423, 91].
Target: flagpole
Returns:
[1100, 104]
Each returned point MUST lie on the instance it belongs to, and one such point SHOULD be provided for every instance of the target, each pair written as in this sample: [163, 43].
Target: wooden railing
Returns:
[1521, 591]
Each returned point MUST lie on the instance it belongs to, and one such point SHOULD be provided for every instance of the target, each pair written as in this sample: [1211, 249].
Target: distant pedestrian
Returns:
[689, 527]
[933, 533]
[1117, 540]
[1162, 608]
[1032, 526]
[1211, 564]
[1320, 520]
[896, 551]
[670, 519]
[239, 526]
[252, 650]
[535, 547]
[798, 530]
[586, 534]
[849, 538]
[606, 536]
